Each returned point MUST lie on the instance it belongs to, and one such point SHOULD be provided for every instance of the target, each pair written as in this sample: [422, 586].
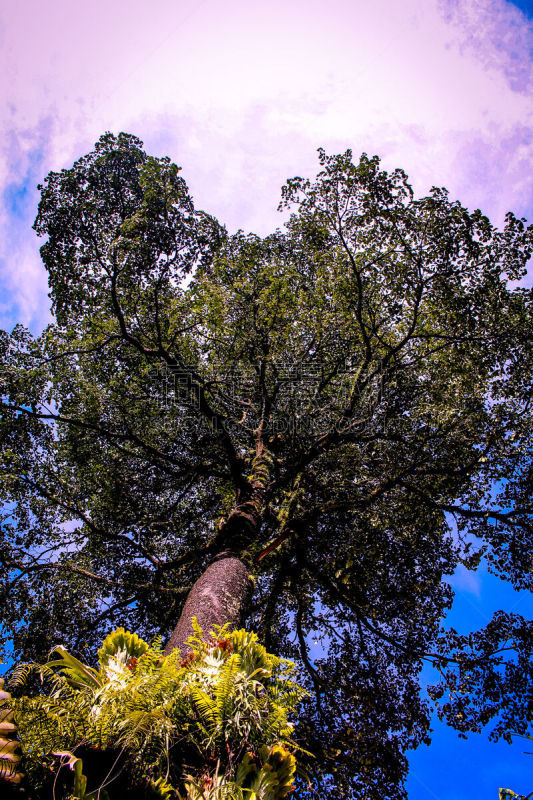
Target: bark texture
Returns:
[219, 595]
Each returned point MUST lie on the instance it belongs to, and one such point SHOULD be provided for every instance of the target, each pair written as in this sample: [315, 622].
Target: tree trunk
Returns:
[219, 595]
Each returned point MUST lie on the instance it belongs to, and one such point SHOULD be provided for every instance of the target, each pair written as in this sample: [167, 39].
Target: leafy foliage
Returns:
[213, 724]
[345, 405]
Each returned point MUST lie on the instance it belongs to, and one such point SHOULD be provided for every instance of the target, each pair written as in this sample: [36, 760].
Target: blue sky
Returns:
[241, 94]
[458, 769]
[526, 6]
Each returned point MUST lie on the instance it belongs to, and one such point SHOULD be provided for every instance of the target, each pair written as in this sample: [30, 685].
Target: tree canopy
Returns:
[345, 405]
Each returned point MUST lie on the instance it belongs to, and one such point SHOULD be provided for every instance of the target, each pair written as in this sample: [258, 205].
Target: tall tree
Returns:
[340, 410]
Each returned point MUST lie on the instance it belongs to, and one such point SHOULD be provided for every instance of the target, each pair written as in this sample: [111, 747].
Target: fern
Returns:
[142, 721]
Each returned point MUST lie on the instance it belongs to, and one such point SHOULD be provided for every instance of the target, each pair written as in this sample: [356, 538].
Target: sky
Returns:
[241, 94]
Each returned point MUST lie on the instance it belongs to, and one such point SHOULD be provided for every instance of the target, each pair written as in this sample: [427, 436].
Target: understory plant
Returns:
[210, 724]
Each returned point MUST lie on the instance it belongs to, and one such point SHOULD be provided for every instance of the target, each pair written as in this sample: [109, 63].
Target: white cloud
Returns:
[242, 94]
[465, 580]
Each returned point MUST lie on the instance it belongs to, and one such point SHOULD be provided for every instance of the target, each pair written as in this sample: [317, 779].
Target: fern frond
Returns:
[207, 709]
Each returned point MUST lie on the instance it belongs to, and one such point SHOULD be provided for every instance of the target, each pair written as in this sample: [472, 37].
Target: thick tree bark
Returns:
[220, 595]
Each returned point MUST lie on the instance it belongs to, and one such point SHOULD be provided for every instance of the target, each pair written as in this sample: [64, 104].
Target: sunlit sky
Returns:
[241, 94]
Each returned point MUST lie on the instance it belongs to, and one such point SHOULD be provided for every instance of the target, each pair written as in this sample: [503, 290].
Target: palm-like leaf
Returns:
[78, 675]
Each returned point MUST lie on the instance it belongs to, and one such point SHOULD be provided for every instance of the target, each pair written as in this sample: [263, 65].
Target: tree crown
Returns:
[344, 404]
